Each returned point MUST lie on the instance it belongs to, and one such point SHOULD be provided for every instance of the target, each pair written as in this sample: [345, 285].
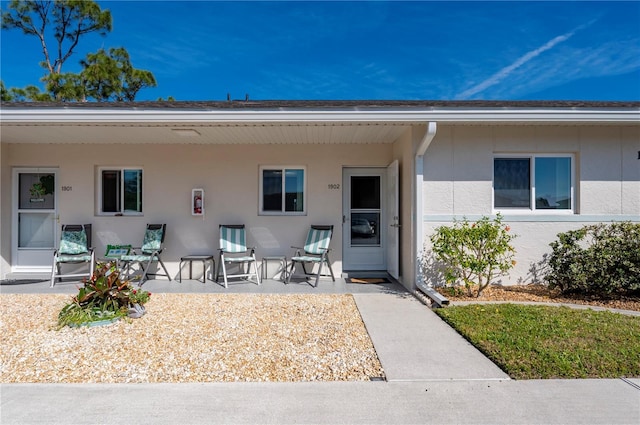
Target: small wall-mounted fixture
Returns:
[197, 202]
[185, 132]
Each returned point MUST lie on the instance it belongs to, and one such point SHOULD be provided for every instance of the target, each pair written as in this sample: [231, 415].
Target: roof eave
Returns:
[413, 115]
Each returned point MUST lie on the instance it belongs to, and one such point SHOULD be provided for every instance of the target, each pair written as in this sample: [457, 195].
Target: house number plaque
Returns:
[66, 188]
[333, 186]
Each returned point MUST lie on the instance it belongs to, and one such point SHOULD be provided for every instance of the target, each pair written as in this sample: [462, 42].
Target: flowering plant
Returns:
[474, 253]
[103, 296]
[138, 296]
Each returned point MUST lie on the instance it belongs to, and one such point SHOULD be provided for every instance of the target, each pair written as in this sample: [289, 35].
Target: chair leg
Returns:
[165, 269]
[217, 268]
[145, 269]
[293, 267]
[126, 272]
[319, 273]
[255, 267]
[224, 271]
[53, 272]
[92, 266]
[330, 269]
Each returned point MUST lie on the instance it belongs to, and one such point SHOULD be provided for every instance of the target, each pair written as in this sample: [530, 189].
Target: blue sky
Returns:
[334, 50]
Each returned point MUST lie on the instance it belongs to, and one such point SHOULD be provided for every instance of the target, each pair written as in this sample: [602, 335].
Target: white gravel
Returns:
[190, 338]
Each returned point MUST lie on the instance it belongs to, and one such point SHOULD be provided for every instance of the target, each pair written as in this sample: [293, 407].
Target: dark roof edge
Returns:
[328, 104]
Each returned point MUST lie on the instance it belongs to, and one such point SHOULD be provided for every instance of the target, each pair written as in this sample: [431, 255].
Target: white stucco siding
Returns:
[458, 173]
[229, 174]
[438, 186]
[600, 172]
[630, 137]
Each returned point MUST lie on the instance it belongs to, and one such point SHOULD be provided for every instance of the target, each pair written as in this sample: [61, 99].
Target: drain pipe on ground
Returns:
[435, 297]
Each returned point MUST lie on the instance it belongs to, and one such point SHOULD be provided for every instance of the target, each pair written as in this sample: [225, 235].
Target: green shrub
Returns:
[104, 296]
[600, 259]
[474, 253]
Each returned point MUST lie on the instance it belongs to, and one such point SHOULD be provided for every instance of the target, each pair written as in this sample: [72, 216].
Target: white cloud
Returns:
[510, 69]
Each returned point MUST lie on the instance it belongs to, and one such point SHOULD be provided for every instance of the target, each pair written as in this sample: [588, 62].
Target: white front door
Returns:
[364, 219]
[35, 213]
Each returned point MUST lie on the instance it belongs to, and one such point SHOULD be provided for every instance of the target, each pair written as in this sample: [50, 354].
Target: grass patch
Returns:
[545, 342]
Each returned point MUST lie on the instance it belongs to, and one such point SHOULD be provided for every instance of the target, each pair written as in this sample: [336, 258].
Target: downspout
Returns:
[418, 219]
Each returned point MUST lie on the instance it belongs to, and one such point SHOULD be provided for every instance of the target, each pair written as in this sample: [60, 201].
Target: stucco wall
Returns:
[458, 172]
[229, 174]
[5, 217]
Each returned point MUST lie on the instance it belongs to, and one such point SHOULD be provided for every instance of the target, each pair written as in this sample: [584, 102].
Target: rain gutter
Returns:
[418, 116]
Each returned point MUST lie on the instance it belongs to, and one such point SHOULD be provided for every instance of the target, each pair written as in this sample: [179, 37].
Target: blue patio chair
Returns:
[234, 251]
[75, 248]
[316, 252]
[147, 254]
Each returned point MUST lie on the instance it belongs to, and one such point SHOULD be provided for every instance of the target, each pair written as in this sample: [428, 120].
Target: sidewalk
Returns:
[434, 376]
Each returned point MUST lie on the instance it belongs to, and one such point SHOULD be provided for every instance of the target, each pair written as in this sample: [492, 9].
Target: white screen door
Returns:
[34, 219]
[364, 219]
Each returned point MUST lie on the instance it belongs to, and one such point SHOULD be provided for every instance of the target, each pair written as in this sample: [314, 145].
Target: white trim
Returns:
[399, 114]
[536, 218]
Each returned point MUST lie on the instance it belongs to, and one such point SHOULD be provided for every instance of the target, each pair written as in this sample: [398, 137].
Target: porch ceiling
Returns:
[165, 133]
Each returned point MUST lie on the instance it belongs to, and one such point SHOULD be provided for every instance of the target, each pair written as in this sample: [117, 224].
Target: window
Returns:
[533, 182]
[282, 190]
[120, 191]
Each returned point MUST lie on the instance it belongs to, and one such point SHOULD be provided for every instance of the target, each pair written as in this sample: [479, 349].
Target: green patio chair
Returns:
[147, 254]
[315, 252]
[75, 248]
[234, 251]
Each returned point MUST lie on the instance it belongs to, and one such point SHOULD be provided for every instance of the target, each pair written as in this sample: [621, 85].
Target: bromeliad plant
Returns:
[474, 253]
[104, 296]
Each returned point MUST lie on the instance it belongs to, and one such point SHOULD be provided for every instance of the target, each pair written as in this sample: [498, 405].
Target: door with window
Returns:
[364, 220]
[35, 215]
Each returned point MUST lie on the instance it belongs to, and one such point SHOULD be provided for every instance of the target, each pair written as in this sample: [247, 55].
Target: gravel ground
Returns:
[190, 338]
[540, 293]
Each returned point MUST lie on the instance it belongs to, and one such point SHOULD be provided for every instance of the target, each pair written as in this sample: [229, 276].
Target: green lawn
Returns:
[533, 342]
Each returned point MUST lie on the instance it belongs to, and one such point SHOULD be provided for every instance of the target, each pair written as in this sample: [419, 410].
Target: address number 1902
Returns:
[334, 186]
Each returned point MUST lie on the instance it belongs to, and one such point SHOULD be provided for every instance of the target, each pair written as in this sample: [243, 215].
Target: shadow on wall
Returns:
[432, 271]
[537, 272]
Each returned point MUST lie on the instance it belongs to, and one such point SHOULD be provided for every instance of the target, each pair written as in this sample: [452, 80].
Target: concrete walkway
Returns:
[433, 377]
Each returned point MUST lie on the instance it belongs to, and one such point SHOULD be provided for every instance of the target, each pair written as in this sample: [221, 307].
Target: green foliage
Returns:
[105, 76]
[103, 296]
[44, 187]
[72, 19]
[544, 342]
[110, 76]
[474, 253]
[5, 94]
[600, 259]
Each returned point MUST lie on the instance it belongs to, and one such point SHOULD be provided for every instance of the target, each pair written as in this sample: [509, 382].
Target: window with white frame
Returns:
[120, 190]
[533, 183]
[282, 190]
